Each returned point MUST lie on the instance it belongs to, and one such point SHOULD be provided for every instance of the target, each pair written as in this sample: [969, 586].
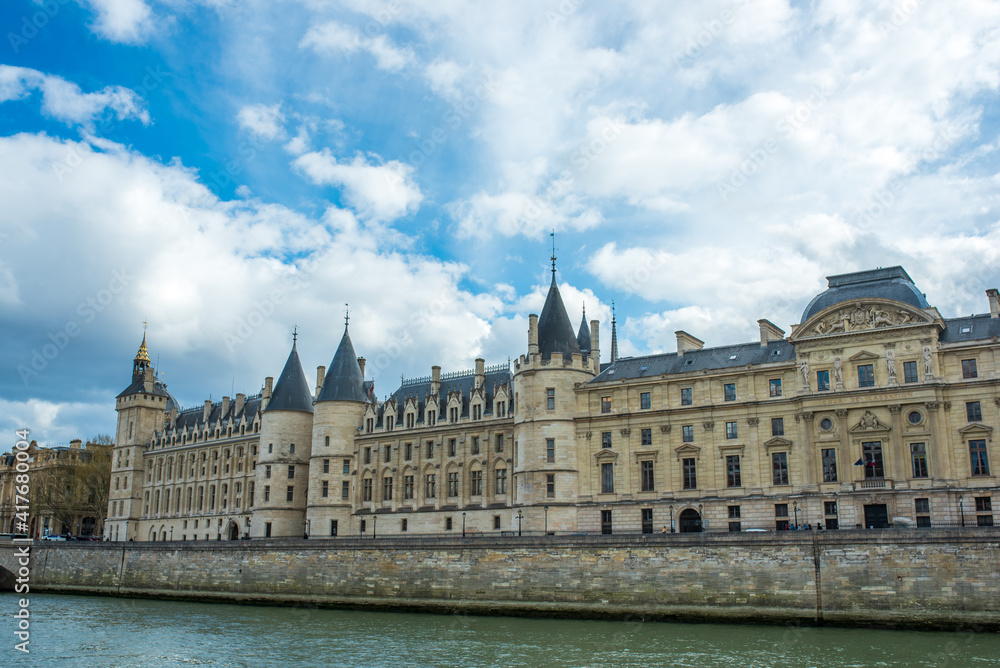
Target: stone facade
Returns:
[874, 410]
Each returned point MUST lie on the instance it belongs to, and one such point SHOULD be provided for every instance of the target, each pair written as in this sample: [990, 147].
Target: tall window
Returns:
[922, 509]
[686, 397]
[731, 430]
[387, 488]
[347, 466]
[729, 391]
[984, 504]
[430, 485]
[607, 478]
[267, 470]
[969, 369]
[326, 466]
[368, 455]
[871, 457]
[646, 475]
[918, 457]
[910, 372]
[388, 453]
[475, 445]
[499, 444]
[689, 473]
[550, 450]
[823, 381]
[452, 447]
[430, 449]
[550, 398]
[606, 522]
[829, 456]
[606, 439]
[687, 433]
[408, 452]
[476, 483]
[326, 488]
[407, 487]
[774, 387]
[647, 436]
[647, 520]
[777, 426]
[980, 463]
[453, 483]
[644, 402]
[866, 375]
[291, 472]
[267, 494]
[550, 485]
[345, 489]
[289, 493]
[366, 489]
[605, 404]
[779, 468]
[733, 477]
[973, 411]
[501, 481]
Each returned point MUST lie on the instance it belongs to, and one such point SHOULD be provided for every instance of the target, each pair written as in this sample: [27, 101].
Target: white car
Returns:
[53, 538]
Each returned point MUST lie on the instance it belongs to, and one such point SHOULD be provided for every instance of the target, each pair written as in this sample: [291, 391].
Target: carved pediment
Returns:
[864, 355]
[605, 455]
[646, 454]
[777, 442]
[863, 315]
[869, 422]
[975, 428]
[735, 449]
[687, 450]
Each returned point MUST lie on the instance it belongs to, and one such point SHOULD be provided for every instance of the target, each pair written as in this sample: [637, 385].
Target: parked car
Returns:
[53, 537]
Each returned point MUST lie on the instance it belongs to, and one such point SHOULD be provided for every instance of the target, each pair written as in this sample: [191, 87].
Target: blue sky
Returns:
[226, 170]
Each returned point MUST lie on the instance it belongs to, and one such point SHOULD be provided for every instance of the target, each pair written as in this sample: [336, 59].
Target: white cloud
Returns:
[334, 37]
[264, 122]
[126, 21]
[58, 423]
[64, 101]
[380, 192]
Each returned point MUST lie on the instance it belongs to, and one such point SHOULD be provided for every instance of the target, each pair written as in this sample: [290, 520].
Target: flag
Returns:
[859, 463]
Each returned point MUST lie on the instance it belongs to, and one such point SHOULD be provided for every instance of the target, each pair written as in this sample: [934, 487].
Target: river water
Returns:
[111, 632]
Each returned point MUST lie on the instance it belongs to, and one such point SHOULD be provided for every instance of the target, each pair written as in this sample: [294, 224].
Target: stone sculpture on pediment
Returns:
[861, 317]
[869, 422]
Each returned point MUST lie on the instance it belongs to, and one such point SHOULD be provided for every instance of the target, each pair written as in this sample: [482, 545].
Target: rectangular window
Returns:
[496, 521]
[326, 466]
[777, 426]
[408, 451]
[647, 520]
[499, 444]
[452, 447]
[550, 398]
[475, 445]
[607, 478]
[687, 398]
[980, 463]
[408, 487]
[733, 477]
[984, 504]
[690, 473]
[909, 372]
[829, 507]
[333, 527]
[644, 402]
[866, 375]
[606, 522]
[734, 512]
[779, 468]
[267, 470]
[430, 485]
[646, 475]
[550, 450]
[606, 439]
[387, 488]
[368, 455]
[453, 483]
[347, 466]
[289, 493]
[345, 489]
[687, 433]
[501, 481]
[731, 430]
[729, 391]
[550, 485]
[829, 456]
[774, 387]
[871, 457]
[291, 472]
[973, 411]
[476, 483]
[922, 509]
[969, 369]
[291, 449]
[823, 381]
[605, 404]
[366, 489]
[267, 495]
[388, 453]
[781, 510]
[326, 489]
[267, 529]
[647, 436]
[430, 449]
[918, 456]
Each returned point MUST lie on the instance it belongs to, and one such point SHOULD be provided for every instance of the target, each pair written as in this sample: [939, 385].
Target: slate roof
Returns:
[724, 357]
[344, 380]
[888, 283]
[583, 335]
[291, 392]
[138, 387]
[555, 333]
[979, 326]
[193, 417]
[463, 383]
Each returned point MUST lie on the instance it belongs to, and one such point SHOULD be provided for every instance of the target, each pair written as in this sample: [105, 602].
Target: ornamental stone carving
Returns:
[753, 421]
[709, 426]
[842, 412]
[863, 316]
[665, 428]
[626, 431]
[869, 421]
[895, 409]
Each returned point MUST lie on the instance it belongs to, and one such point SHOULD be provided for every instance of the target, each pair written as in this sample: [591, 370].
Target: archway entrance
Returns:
[233, 531]
[690, 521]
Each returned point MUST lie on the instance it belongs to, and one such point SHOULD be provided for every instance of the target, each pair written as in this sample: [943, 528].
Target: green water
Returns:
[106, 632]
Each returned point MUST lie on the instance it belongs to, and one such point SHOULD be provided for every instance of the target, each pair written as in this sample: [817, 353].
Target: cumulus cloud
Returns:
[334, 37]
[126, 21]
[264, 122]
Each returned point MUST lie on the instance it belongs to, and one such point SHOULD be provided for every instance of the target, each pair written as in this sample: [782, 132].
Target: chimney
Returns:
[172, 416]
[769, 332]
[361, 363]
[435, 380]
[994, 296]
[480, 372]
[240, 400]
[320, 378]
[208, 410]
[687, 342]
[225, 406]
[595, 344]
[147, 379]
[532, 335]
[75, 444]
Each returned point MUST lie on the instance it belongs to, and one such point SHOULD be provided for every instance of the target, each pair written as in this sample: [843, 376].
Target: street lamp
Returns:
[519, 516]
[671, 518]
[795, 507]
[836, 508]
[463, 525]
[171, 533]
[546, 519]
[374, 526]
[700, 521]
[961, 508]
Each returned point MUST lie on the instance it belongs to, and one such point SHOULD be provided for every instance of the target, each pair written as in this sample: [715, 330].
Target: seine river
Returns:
[109, 632]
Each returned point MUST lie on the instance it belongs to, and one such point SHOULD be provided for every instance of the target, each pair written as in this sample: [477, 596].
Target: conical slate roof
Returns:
[583, 336]
[291, 392]
[344, 381]
[555, 333]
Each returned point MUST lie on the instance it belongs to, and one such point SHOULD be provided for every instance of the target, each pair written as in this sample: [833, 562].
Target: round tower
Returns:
[546, 468]
[283, 463]
[340, 404]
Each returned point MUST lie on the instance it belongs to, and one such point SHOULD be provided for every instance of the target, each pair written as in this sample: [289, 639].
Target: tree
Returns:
[93, 480]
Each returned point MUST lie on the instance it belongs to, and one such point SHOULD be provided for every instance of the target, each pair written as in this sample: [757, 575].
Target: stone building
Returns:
[874, 410]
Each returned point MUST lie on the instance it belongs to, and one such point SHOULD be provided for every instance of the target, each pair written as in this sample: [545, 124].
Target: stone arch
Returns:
[232, 530]
[690, 521]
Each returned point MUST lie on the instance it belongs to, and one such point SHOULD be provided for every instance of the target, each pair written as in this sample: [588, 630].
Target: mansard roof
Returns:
[970, 328]
[555, 333]
[889, 283]
[463, 382]
[191, 418]
[291, 392]
[711, 359]
[344, 380]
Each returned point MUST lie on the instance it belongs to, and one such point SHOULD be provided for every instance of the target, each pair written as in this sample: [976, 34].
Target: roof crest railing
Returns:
[415, 381]
[457, 374]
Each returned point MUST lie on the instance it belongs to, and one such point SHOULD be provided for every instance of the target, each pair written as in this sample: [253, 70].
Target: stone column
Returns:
[940, 458]
[845, 454]
[808, 455]
[895, 463]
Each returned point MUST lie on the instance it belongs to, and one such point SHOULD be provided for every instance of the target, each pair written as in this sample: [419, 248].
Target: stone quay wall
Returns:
[927, 578]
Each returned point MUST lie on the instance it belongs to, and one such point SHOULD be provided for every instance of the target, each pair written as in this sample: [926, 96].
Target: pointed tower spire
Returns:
[291, 392]
[141, 361]
[583, 335]
[555, 333]
[344, 379]
[614, 335]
